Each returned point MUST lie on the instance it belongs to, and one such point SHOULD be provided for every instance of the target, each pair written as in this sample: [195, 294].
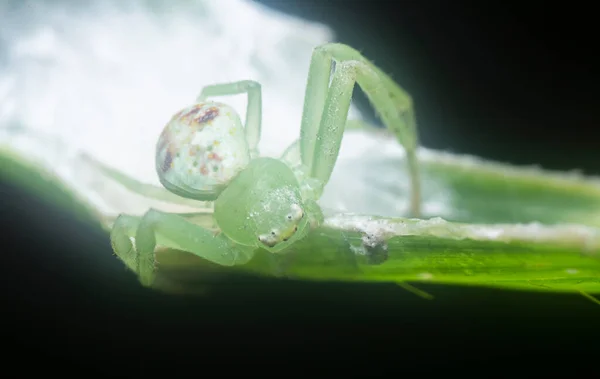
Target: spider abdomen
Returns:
[201, 149]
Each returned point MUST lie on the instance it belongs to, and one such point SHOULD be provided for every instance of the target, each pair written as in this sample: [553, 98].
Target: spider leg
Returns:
[172, 231]
[292, 154]
[253, 110]
[144, 189]
[326, 111]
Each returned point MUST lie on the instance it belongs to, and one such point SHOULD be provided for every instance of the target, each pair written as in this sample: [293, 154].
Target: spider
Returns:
[205, 154]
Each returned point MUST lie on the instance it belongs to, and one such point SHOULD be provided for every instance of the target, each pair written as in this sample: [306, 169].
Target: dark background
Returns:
[511, 81]
[506, 82]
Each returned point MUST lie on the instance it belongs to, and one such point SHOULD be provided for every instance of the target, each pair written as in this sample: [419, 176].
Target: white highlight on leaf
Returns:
[587, 239]
[104, 77]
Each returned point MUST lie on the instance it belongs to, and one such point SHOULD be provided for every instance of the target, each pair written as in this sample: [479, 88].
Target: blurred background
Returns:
[508, 81]
[515, 83]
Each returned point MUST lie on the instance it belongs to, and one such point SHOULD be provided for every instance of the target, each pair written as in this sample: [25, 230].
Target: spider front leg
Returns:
[172, 231]
[253, 108]
[326, 111]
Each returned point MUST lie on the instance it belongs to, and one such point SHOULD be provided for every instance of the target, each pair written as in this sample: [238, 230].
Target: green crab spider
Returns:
[204, 154]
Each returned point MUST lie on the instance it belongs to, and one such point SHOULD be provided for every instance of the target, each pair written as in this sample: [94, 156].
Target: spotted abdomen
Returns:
[201, 150]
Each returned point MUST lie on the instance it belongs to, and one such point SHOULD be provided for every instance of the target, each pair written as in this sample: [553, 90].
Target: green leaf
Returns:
[511, 227]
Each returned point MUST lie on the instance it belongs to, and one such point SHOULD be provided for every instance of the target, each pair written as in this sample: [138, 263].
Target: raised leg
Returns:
[326, 111]
[253, 110]
[292, 154]
[173, 231]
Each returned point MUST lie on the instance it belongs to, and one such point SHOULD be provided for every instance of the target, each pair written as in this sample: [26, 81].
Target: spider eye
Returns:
[283, 234]
[296, 213]
[270, 239]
